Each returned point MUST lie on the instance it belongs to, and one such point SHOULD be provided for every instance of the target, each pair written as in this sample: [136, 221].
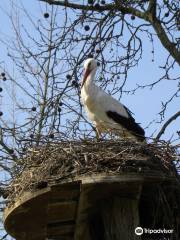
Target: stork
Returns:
[106, 113]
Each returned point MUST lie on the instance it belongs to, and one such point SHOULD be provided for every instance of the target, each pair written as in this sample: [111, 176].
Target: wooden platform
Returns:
[61, 211]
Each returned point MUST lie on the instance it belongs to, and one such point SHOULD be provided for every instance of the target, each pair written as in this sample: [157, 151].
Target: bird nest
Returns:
[65, 161]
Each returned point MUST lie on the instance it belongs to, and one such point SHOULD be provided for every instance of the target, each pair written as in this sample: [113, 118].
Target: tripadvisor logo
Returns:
[138, 231]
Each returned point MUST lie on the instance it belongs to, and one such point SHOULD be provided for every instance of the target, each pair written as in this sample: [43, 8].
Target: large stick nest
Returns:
[64, 161]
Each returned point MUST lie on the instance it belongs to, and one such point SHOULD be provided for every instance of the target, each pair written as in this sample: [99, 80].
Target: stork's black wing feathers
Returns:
[129, 112]
[128, 123]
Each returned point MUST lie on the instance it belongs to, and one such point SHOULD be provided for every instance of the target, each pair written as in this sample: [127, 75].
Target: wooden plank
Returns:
[61, 211]
[24, 199]
[60, 229]
[28, 220]
[65, 191]
[82, 224]
[128, 177]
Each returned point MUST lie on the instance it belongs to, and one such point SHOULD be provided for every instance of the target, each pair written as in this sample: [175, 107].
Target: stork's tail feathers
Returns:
[140, 138]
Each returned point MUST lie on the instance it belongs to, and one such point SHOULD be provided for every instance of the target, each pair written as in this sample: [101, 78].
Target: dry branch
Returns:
[166, 124]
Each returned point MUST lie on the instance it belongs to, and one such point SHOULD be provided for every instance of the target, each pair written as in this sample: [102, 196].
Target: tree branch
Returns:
[149, 15]
[5, 147]
[4, 237]
[152, 7]
[107, 7]
[170, 46]
[166, 125]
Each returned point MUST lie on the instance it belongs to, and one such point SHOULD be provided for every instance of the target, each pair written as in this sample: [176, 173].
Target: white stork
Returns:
[106, 113]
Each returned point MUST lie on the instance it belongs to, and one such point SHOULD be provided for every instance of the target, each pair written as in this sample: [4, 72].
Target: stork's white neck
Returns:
[89, 91]
[89, 88]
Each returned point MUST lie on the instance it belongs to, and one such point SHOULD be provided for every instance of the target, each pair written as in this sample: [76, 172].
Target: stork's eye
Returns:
[89, 65]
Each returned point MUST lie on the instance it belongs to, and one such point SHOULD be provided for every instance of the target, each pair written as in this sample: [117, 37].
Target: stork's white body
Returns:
[97, 103]
[100, 107]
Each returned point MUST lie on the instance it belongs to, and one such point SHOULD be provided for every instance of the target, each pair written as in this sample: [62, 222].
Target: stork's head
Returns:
[90, 65]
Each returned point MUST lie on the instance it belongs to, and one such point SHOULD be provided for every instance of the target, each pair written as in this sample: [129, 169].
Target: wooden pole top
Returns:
[52, 211]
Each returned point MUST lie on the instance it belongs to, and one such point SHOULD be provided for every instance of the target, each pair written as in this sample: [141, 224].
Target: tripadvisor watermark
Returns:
[139, 231]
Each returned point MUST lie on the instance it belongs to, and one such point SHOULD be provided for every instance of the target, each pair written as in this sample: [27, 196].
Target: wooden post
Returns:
[113, 219]
[120, 217]
[108, 211]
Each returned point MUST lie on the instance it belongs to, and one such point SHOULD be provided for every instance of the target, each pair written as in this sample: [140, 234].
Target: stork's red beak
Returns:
[86, 74]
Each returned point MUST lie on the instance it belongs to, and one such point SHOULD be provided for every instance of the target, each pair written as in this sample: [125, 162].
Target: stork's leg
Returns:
[98, 133]
[124, 134]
